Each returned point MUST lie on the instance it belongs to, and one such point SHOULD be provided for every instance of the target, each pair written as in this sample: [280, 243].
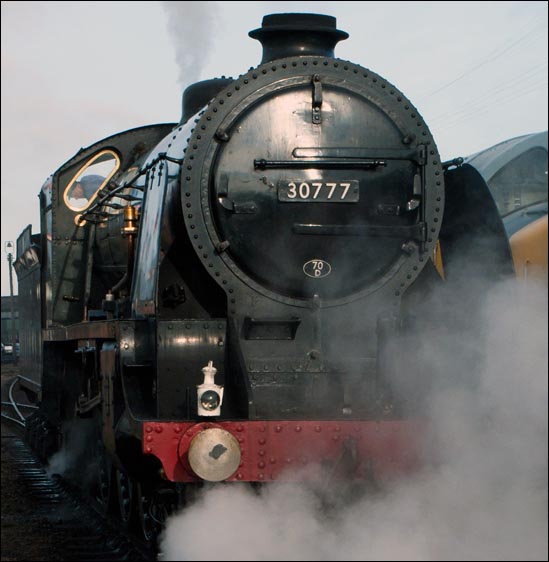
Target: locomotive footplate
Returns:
[284, 450]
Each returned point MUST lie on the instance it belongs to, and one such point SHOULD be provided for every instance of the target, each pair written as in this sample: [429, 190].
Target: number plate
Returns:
[318, 191]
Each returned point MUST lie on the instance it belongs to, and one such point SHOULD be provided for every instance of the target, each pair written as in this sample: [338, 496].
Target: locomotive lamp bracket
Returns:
[409, 247]
[238, 208]
[222, 135]
[209, 394]
[317, 99]
[244, 208]
[221, 247]
[456, 162]
[416, 200]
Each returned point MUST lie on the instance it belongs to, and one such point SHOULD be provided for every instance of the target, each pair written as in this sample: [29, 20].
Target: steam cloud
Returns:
[72, 460]
[191, 24]
[484, 499]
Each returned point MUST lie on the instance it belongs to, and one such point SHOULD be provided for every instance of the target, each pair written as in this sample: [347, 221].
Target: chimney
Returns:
[294, 35]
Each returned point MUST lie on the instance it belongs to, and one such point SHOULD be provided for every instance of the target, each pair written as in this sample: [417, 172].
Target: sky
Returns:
[76, 72]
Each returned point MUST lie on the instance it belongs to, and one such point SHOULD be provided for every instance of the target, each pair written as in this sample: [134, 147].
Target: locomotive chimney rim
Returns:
[289, 35]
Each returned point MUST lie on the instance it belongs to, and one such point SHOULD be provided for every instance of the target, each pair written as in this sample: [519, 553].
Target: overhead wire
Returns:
[533, 79]
[522, 80]
[497, 53]
[494, 101]
[490, 106]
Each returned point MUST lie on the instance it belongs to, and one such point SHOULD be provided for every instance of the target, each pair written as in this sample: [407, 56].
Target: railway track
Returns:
[45, 517]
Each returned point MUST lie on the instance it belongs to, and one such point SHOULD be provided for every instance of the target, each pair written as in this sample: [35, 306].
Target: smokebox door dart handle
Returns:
[324, 164]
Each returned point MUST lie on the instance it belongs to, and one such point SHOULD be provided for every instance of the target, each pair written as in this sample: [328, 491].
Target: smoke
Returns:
[73, 458]
[191, 25]
[483, 496]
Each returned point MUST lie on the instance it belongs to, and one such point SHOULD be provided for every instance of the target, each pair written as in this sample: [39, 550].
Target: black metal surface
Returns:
[286, 35]
[473, 238]
[361, 114]
[184, 348]
[72, 250]
[29, 277]
[197, 95]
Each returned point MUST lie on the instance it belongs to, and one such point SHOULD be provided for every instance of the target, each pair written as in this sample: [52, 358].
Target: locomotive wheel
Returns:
[159, 513]
[162, 506]
[147, 525]
[125, 495]
[103, 491]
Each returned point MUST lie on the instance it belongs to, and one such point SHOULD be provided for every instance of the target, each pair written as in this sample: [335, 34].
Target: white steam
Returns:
[73, 458]
[59, 463]
[484, 499]
[191, 25]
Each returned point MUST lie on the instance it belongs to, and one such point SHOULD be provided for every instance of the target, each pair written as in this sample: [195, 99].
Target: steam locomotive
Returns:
[222, 301]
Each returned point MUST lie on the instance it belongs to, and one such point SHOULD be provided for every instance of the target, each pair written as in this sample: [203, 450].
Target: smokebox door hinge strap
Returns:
[242, 208]
[317, 99]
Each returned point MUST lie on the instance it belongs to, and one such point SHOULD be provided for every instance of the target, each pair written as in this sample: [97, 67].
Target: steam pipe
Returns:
[129, 230]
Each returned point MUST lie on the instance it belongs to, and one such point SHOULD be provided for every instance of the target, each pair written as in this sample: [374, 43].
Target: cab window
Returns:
[89, 180]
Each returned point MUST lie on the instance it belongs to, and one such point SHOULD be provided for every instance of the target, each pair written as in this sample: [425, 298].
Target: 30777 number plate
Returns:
[318, 191]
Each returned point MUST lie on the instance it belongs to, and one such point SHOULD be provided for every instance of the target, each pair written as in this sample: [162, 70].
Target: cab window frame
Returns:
[89, 163]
